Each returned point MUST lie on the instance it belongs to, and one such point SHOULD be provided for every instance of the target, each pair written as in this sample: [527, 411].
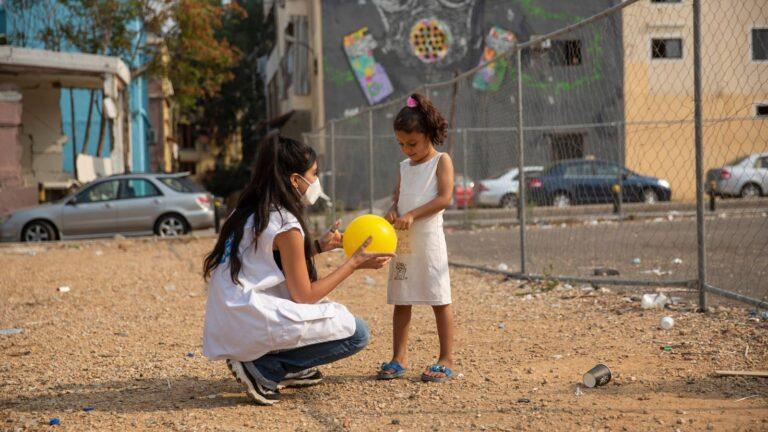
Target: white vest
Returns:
[245, 322]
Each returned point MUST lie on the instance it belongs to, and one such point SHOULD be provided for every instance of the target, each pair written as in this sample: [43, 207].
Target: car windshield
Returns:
[181, 184]
[737, 161]
[502, 174]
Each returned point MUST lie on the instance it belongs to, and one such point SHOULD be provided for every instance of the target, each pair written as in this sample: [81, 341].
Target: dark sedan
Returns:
[581, 181]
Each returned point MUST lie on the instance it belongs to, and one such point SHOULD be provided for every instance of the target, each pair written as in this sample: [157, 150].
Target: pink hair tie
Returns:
[411, 103]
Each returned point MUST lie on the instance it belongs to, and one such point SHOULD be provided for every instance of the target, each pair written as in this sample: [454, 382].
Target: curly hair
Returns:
[423, 118]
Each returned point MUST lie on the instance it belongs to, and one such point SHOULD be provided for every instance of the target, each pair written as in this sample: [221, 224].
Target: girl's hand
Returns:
[391, 216]
[332, 239]
[404, 222]
[364, 260]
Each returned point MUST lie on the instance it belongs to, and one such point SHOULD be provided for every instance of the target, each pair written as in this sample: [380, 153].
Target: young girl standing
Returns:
[419, 273]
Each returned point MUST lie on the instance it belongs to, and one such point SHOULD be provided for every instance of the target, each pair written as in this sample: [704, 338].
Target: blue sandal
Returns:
[398, 369]
[438, 368]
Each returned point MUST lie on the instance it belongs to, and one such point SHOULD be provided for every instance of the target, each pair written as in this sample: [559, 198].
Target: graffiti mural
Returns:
[430, 31]
[430, 40]
[490, 77]
[370, 75]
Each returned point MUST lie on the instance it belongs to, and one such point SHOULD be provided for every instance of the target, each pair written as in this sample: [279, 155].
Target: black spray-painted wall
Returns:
[379, 49]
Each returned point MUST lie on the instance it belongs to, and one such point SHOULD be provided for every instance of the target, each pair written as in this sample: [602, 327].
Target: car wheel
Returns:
[171, 226]
[508, 201]
[561, 200]
[38, 231]
[650, 196]
[750, 191]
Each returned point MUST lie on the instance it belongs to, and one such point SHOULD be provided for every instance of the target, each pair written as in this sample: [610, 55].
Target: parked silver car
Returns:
[502, 190]
[129, 204]
[746, 177]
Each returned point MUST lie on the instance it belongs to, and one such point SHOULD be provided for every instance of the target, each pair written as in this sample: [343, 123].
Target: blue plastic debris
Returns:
[88, 409]
[54, 421]
[11, 331]
[189, 354]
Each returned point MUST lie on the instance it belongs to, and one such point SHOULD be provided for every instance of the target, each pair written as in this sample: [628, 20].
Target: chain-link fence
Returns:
[644, 155]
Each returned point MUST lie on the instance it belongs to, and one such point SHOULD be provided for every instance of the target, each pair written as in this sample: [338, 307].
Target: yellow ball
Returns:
[384, 237]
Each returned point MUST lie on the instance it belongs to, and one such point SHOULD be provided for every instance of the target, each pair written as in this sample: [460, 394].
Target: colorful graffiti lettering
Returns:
[373, 79]
[490, 77]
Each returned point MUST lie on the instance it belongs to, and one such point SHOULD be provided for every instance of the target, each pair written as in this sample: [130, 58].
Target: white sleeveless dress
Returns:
[419, 273]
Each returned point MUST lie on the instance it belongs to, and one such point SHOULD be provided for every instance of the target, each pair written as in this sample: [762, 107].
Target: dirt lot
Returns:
[126, 341]
[737, 250]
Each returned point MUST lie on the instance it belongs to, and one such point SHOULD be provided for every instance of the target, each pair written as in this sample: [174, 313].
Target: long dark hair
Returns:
[424, 118]
[270, 189]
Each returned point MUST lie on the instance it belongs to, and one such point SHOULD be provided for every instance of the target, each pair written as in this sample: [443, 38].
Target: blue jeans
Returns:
[273, 367]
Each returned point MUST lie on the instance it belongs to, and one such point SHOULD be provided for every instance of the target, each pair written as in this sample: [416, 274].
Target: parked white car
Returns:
[502, 190]
[745, 177]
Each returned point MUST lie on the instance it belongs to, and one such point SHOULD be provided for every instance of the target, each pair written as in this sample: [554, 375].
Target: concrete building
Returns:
[658, 84]
[75, 105]
[293, 73]
[32, 141]
[162, 142]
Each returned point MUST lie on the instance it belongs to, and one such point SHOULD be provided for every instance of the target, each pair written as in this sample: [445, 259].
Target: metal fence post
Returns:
[333, 172]
[521, 204]
[370, 160]
[464, 175]
[698, 140]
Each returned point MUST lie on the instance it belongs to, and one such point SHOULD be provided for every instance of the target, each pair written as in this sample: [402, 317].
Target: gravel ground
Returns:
[126, 341]
[736, 252]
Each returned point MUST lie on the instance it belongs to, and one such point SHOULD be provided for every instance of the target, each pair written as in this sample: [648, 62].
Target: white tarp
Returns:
[90, 168]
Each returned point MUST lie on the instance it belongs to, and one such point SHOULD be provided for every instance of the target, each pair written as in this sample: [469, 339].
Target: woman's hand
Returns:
[332, 239]
[364, 260]
[391, 216]
[404, 222]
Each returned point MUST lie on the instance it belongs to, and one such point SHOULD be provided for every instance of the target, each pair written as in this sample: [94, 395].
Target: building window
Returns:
[567, 146]
[667, 48]
[760, 44]
[761, 110]
[566, 52]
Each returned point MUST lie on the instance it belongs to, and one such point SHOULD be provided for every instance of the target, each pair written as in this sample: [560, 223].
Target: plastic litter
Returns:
[190, 355]
[502, 267]
[12, 331]
[658, 272]
[677, 261]
[88, 409]
[578, 391]
[636, 261]
[369, 281]
[54, 421]
[654, 301]
[667, 323]
[64, 289]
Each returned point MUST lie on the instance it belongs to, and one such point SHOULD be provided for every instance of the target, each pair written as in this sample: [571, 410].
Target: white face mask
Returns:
[313, 192]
